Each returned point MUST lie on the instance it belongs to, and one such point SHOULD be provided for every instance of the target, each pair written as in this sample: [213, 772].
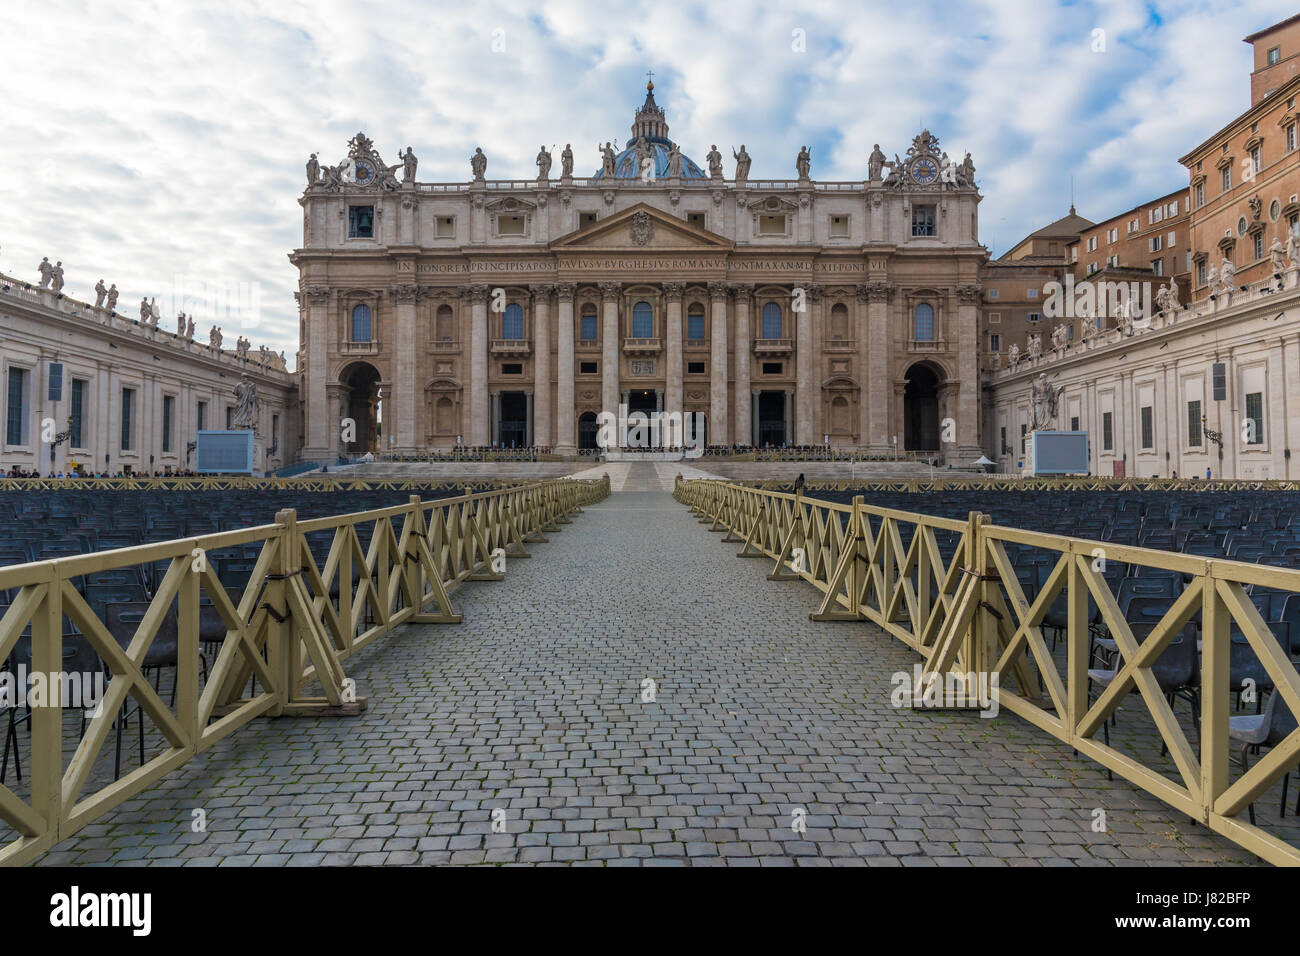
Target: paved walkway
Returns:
[533, 707]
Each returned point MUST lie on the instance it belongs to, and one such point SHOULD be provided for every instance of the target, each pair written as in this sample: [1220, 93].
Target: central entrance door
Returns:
[645, 401]
[513, 427]
[771, 418]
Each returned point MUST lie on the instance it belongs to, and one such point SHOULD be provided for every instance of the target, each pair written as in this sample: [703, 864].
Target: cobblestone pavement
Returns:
[532, 710]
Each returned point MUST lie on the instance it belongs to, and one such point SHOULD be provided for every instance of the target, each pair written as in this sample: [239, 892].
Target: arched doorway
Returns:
[361, 405]
[921, 408]
[586, 431]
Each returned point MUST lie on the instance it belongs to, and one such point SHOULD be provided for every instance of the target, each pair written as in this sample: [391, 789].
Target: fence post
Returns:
[280, 646]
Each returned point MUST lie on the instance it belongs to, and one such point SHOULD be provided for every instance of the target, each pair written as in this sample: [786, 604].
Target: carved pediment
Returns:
[511, 205]
[641, 227]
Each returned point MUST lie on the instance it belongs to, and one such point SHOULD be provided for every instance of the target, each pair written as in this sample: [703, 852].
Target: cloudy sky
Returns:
[161, 145]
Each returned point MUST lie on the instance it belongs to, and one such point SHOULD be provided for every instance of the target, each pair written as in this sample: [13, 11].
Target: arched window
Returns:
[361, 323]
[643, 323]
[923, 323]
[512, 323]
[771, 321]
[695, 324]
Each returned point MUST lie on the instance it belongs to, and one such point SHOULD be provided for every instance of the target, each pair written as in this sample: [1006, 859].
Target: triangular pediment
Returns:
[642, 228]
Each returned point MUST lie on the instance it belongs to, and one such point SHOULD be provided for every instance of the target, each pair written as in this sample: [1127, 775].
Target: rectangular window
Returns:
[1107, 431]
[16, 410]
[1024, 441]
[696, 219]
[695, 326]
[1158, 266]
[1200, 194]
[1194, 424]
[275, 432]
[1254, 159]
[772, 368]
[361, 222]
[1290, 137]
[1112, 235]
[1148, 427]
[588, 328]
[169, 408]
[446, 227]
[1219, 378]
[1092, 244]
[771, 225]
[1171, 240]
[128, 414]
[586, 219]
[512, 368]
[1274, 55]
[1155, 243]
[1201, 275]
[993, 293]
[1226, 180]
[78, 411]
[1134, 225]
[694, 368]
[1259, 245]
[1074, 423]
[1003, 437]
[995, 342]
[1074, 253]
[1172, 209]
[587, 368]
[839, 227]
[923, 221]
[1033, 317]
[1032, 293]
[510, 225]
[201, 419]
[230, 417]
[1255, 415]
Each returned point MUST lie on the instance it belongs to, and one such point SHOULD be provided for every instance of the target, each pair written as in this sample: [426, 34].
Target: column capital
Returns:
[542, 291]
[317, 294]
[609, 290]
[718, 290]
[474, 293]
[566, 290]
[969, 293]
[879, 291]
[814, 291]
[744, 292]
[674, 290]
[406, 292]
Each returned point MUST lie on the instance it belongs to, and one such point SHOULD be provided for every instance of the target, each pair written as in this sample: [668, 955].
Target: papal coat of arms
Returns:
[642, 228]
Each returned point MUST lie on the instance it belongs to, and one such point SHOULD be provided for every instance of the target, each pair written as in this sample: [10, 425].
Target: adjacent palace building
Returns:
[515, 311]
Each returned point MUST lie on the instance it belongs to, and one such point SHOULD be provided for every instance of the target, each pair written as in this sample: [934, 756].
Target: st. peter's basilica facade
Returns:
[515, 311]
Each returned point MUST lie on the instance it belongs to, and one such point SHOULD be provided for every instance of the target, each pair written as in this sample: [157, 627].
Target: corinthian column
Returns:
[478, 364]
[542, 364]
[803, 363]
[878, 371]
[403, 425]
[565, 427]
[321, 422]
[968, 399]
[609, 347]
[744, 427]
[717, 433]
[673, 355]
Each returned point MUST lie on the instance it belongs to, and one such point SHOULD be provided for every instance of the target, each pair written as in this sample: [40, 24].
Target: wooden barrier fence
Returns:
[970, 615]
[290, 629]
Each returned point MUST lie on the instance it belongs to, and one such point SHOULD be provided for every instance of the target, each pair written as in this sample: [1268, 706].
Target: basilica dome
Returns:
[650, 123]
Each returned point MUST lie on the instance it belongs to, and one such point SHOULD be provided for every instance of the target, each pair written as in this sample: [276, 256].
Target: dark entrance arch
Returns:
[771, 418]
[586, 431]
[921, 408]
[361, 404]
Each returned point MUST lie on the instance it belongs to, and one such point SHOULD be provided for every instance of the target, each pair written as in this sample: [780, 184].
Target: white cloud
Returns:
[147, 141]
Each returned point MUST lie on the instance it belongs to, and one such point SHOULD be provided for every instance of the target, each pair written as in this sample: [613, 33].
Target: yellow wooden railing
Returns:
[291, 630]
[970, 615]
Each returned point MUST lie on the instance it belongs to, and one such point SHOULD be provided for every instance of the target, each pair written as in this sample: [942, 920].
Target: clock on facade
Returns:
[924, 170]
[365, 172]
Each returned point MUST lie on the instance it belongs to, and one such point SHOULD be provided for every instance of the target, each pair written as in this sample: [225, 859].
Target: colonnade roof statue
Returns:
[649, 154]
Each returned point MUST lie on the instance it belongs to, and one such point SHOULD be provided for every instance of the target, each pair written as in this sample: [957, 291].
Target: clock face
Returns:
[365, 173]
[925, 170]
